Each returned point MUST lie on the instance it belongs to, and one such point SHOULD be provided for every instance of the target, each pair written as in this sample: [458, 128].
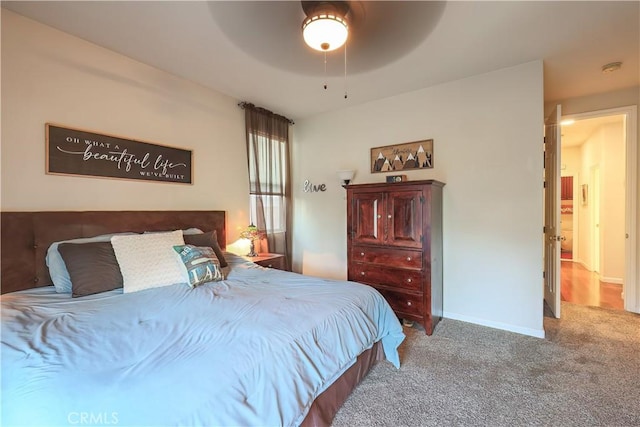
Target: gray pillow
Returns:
[57, 269]
[209, 239]
[92, 267]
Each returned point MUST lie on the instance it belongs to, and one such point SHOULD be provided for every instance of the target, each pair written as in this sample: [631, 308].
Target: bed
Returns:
[261, 347]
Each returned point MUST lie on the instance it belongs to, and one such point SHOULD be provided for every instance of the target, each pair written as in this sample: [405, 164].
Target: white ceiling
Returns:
[577, 133]
[253, 51]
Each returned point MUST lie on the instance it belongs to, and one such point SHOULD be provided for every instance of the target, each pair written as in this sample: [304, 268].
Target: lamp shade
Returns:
[346, 176]
[325, 32]
[251, 233]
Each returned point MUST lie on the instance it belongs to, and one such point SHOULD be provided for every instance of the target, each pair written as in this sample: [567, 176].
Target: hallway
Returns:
[581, 286]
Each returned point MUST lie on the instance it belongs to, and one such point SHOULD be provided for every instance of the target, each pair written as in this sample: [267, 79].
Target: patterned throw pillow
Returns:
[209, 239]
[148, 260]
[200, 264]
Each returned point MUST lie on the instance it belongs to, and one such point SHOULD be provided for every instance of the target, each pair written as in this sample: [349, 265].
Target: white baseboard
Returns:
[582, 263]
[614, 280]
[538, 333]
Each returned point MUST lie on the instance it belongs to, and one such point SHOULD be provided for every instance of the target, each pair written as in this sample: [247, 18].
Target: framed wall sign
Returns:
[402, 157]
[72, 151]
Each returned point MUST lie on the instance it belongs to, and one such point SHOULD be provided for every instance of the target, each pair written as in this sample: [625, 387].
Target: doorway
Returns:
[597, 209]
[568, 230]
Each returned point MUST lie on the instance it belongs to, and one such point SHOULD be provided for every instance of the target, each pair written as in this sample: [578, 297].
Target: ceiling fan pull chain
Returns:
[345, 71]
[325, 70]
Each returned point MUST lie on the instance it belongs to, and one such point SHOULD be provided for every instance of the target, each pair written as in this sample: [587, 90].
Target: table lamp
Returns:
[252, 233]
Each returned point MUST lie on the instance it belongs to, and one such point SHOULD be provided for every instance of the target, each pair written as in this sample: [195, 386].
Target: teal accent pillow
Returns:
[209, 239]
[200, 264]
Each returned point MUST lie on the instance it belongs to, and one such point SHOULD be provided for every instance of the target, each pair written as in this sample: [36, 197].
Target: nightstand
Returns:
[277, 261]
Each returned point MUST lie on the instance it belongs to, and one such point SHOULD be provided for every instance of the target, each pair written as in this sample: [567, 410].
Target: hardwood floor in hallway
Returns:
[581, 286]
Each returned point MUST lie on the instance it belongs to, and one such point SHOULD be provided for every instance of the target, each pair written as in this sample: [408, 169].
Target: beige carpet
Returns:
[585, 373]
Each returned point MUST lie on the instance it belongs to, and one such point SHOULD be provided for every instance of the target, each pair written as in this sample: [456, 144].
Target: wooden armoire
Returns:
[394, 243]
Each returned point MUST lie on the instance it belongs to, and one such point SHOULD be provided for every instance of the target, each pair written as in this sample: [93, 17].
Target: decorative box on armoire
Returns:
[394, 243]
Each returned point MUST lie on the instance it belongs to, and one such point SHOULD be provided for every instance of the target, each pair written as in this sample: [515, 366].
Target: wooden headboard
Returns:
[26, 236]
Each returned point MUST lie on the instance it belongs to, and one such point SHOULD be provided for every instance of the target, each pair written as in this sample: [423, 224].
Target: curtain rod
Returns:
[249, 105]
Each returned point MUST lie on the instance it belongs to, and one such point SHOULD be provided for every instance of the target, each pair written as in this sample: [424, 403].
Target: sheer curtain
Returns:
[269, 176]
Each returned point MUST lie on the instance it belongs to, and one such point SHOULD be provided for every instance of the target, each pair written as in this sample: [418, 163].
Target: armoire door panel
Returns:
[405, 218]
[367, 219]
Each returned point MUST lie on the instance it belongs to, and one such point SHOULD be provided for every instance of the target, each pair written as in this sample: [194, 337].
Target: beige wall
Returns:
[487, 133]
[570, 162]
[50, 76]
[590, 156]
[612, 204]
[600, 101]
[605, 150]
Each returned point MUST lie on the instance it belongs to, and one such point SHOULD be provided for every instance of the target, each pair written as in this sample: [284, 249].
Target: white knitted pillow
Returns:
[148, 260]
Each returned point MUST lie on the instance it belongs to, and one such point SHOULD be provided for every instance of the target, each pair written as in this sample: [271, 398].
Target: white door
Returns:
[552, 232]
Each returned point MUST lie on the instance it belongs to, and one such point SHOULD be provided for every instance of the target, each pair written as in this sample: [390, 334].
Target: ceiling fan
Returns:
[326, 26]
[379, 32]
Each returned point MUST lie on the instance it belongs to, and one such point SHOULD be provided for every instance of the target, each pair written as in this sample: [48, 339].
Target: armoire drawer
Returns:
[391, 277]
[404, 303]
[388, 257]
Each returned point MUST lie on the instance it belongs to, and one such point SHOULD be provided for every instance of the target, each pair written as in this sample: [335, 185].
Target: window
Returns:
[273, 208]
[268, 179]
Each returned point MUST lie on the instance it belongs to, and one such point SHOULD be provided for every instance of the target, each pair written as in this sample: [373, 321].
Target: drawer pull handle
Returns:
[408, 258]
[362, 273]
[379, 216]
[409, 303]
[389, 216]
[361, 253]
[408, 280]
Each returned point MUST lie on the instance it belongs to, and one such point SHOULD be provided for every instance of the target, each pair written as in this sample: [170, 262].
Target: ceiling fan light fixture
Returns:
[325, 32]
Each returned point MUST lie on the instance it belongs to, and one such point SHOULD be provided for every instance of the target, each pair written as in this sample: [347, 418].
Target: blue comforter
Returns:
[253, 350]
